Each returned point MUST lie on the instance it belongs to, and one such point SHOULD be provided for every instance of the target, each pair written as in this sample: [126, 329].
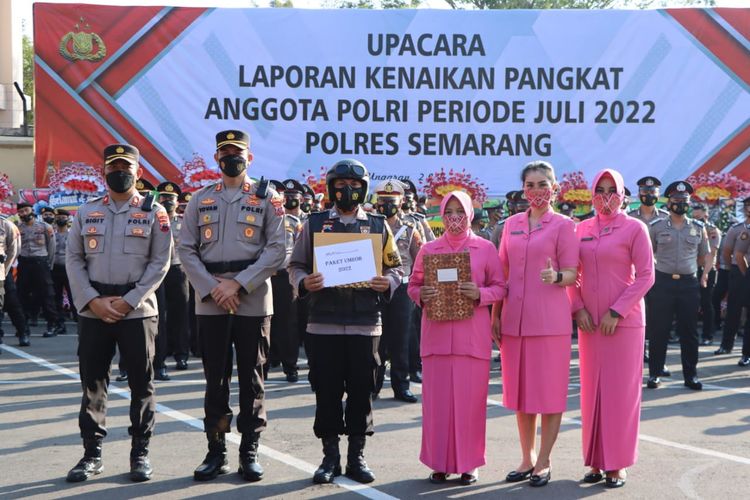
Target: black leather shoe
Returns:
[330, 467]
[161, 374]
[653, 383]
[438, 477]
[49, 333]
[215, 462]
[467, 478]
[665, 372]
[181, 364]
[292, 377]
[614, 482]
[123, 376]
[416, 377]
[24, 340]
[744, 361]
[722, 350]
[694, 384]
[60, 329]
[537, 480]
[515, 477]
[90, 464]
[707, 342]
[140, 465]
[592, 477]
[406, 396]
[356, 467]
[250, 469]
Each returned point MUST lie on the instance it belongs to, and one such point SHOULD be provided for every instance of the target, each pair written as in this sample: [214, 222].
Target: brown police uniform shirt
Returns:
[117, 246]
[408, 240]
[676, 251]
[10, 243]
[37, 240]
[728, 243]
[221, 225]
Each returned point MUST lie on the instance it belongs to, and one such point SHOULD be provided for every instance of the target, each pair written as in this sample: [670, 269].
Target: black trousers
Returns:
[249, 337]
[174, 334]
[735, 303]
[12, 306]
[193, 322]
[394, 344]
[707, 305]
[60, 282]
[671, 298]
[415, 338]
[284, 324]
[96, 348]
[35, 287]
[746, 303]
[343, 364]
[720, 291]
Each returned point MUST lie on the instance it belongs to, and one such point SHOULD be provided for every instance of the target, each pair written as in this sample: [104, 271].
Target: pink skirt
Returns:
[535, 373]
[611, 383]
[454, 412]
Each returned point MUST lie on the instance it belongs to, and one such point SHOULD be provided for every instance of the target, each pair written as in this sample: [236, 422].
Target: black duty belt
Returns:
[21, 258]
[232, 266]
[676, 276]
[112, 290]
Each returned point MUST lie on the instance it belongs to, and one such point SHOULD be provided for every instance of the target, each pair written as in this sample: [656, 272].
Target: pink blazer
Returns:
[469, 337]
[616, 269]
[532, 307]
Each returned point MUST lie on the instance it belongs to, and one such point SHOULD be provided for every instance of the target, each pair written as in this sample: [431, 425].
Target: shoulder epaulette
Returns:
[655, 221]
[377, 216]
[698, 223]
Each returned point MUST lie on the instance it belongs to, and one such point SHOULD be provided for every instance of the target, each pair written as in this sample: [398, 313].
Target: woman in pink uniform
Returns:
[539, 255]
[616, 270]
[456, 354]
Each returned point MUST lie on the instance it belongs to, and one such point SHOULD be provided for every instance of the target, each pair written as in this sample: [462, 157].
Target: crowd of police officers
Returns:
[226, 272]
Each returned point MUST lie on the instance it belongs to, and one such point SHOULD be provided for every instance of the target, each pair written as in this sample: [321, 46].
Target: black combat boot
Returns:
[250, 468]
[330, 467]
[90, 464]
[140, 465]
[356, 467]
[215, 462]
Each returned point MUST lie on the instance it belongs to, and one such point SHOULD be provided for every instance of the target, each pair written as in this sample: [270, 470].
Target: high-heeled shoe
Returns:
[516, 476]
[537, 480]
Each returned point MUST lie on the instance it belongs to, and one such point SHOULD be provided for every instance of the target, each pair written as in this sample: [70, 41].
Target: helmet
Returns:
[347, 169]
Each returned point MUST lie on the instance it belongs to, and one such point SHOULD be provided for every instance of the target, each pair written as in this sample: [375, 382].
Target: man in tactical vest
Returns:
[344, 324]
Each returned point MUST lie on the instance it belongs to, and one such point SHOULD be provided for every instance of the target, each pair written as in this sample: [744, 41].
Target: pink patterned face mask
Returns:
[606, 203]
[456, 224]
[538, 197]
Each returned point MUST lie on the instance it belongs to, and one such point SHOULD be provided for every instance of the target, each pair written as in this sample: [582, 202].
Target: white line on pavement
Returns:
[365, 491]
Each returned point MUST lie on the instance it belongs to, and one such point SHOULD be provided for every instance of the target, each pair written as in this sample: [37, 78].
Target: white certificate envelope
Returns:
[346, 263]
[447, 275]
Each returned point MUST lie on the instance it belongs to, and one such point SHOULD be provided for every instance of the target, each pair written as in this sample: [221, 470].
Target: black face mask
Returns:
[233, 165]
[169, 205]
[61, 223]
[291, 203]
[306, 207]
[120, 181]
[649, 199]
[679, 207]
[347, 198]
[389, 209]
[27, 217]
[48, 220]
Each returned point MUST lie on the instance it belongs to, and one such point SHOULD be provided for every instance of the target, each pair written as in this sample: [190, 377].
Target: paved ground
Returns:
[693, 444]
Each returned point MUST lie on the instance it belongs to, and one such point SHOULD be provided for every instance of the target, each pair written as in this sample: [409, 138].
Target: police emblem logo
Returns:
[327, 227]
[250, 218]
[338, 195]
[139, 184]
[187, 196]
[207, 218]
[681, 187]
[230, 135]
[93, 243]
[364, 229]
[290, 185]
[649, 182]
[168, 188]
[246, 187]
[253, 201]
[207, 233]
[743, 236]
[355, 196]
[121, 150]
[91, 230]
[389, 187]
[80, 45]
[693, 232]
[249, 232]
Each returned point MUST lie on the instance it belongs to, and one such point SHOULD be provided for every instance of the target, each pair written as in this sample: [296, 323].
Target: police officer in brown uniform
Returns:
[118, 253]
[742, 257]
[231, 242]
[700, 212]
[308, 199]
[35, 262]
[398, 313]
[59, 275]
[736, 234]
[345, 323]
[679, 242]
[285, 339]
[172, 294]
[409, 211]
[9, 245]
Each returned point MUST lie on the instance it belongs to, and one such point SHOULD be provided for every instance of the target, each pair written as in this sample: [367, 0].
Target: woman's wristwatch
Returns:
[559, 277]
